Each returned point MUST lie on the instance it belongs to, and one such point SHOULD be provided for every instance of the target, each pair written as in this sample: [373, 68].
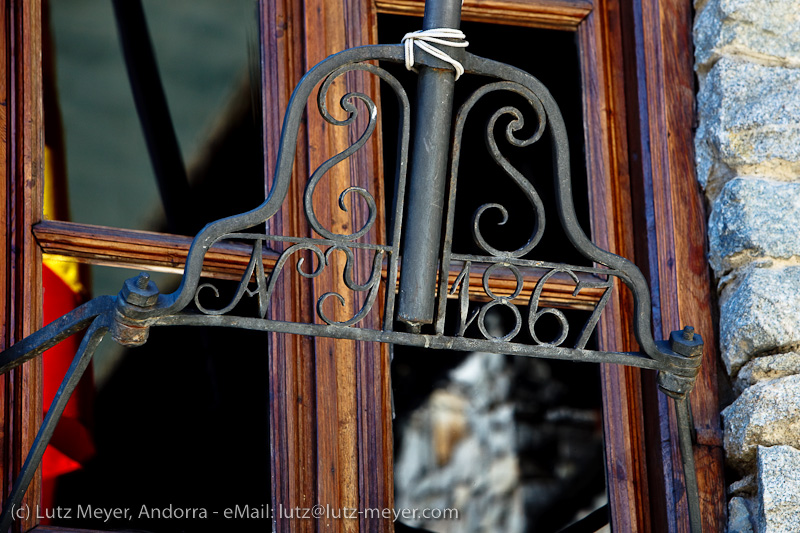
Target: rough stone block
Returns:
[778, 489]
[753, 218]
[759, 313]
[749, 123]
[762, 29]
[766, 414]
[739, 516]
[767, 368]
[744, 487]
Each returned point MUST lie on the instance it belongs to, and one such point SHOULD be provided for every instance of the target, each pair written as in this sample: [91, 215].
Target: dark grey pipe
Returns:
[426, 199]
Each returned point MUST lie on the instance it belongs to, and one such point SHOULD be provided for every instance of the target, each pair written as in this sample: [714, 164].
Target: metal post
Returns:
[683, 413]
[423, 227]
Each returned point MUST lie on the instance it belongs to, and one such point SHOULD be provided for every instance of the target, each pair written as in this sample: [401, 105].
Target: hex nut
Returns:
[133, 294]
[689, 348]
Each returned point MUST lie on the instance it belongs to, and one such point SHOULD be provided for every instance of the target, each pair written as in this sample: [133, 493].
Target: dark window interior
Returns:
[183, 420]
[556, 404]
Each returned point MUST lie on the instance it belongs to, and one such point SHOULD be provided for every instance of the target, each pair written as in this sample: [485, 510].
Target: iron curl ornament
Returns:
[140, 306]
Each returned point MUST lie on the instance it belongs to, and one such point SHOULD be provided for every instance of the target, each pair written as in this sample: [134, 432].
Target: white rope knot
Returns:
[437, 36]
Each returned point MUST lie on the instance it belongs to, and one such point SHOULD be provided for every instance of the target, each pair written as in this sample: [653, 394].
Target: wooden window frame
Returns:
[20, 278]
[636, 60]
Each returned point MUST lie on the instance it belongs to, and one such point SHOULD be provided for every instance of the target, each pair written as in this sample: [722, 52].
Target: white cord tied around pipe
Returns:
[422, 38]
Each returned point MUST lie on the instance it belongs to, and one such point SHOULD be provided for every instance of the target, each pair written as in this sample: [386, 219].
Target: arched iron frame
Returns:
[140, 306]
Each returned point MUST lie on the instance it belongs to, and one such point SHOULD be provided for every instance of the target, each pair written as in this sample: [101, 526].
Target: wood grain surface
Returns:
[20, 278]
[672, 209]
[331, 422]
[147, 250]
[549, 14]
[612, 229]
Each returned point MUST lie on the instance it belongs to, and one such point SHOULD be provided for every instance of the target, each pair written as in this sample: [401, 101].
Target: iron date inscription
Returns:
[469, 315]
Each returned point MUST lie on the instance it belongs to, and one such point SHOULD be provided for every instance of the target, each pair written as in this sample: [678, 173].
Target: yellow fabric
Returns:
[63, 267]
[49, 185]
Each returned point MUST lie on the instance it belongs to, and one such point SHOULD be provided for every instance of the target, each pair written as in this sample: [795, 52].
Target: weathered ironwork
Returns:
[140, 306]
[428, 177]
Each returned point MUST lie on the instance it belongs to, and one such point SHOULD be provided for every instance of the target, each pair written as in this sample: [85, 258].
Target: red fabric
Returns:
[72, 444]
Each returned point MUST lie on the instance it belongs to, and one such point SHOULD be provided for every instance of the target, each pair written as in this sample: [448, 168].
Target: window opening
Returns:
[204, 53]
[183, 424]
[515, 444]
[132, 318]
[180, 424]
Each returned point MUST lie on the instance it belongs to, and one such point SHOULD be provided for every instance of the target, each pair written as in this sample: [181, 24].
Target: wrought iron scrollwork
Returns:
[371, 286]
[265, 285]
[255, 268]
[129, 319]
[513, 126]
[511, 259]
[347, 103]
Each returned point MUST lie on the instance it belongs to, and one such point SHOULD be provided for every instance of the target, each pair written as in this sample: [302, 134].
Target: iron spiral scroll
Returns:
[371, 266]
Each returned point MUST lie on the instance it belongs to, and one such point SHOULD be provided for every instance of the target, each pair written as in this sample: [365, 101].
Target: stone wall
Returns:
[748, 162]
[507, 442]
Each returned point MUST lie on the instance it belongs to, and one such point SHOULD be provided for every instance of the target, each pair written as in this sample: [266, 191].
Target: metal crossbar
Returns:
[421, 302]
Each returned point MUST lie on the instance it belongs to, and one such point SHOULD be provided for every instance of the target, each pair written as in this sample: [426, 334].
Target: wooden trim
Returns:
[548, 14]
[612, 229]
[100, 245]
[651, 92]
[331, 408]
[354, 437]
[20, 276]
[672, 210]
[291, 358]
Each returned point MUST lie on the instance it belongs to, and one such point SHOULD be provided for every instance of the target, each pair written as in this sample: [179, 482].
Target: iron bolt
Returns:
[140, 291]
[143, 280]
[686, 342]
